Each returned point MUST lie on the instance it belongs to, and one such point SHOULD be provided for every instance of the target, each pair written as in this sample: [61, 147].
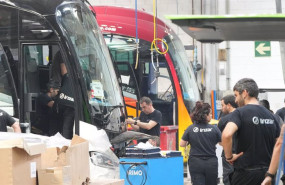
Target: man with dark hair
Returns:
[228, 106]
[149, 120]
[257, 130]
[281, 113]
[265, 103]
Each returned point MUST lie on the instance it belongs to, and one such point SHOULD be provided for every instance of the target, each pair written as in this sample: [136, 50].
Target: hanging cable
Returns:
[153, 44]
[137, 40]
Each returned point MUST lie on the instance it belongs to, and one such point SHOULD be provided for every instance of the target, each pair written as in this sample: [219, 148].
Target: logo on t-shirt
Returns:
[63, 96]
[195, 129]
[1, 113]
[261, 121]
[255, 120]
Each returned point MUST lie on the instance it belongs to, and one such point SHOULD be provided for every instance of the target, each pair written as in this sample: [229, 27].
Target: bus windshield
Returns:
[184, 71]
[82, 30]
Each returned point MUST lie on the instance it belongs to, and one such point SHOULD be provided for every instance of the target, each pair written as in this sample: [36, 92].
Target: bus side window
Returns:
[6, 100]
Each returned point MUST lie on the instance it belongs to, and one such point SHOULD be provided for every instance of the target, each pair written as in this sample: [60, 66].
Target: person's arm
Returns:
[146, 126]
[16, 127]
[63, 69]
[227, 139]
[131, 122]
[275, 158]
[183, 143]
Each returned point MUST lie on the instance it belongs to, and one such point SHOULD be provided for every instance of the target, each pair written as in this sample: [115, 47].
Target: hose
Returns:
[153, 44]
[137, 40]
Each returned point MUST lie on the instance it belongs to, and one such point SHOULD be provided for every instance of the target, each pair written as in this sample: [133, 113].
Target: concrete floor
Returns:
[187, 181]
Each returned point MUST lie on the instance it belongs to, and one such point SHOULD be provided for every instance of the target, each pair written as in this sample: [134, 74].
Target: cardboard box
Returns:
[76, 156]
[55, 176]
[108, 182]
[20, 159]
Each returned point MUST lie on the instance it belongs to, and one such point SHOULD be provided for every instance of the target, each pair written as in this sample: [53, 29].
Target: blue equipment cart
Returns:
[152, 171]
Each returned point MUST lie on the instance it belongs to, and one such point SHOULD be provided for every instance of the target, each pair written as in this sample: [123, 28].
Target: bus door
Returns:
[129, 87]
[37, 59]
[8, 93]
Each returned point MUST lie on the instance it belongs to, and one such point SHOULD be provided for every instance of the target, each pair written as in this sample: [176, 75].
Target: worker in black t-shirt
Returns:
[228, 106]
[257, 130]
[46, 117]
[7, 120]
[65, 99]
[203, 137]
[149, 120]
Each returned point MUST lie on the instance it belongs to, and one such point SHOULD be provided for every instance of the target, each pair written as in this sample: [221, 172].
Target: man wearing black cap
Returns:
[46, 121]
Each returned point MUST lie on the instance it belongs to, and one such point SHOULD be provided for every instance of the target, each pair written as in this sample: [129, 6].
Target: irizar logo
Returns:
[196, 129]
[261, 121]
[63, 96]
[206, 129]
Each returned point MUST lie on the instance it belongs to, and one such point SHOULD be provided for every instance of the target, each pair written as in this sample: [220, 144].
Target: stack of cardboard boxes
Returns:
[28, 162]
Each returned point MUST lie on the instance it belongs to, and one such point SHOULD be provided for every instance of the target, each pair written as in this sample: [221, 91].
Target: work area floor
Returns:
[187, 181]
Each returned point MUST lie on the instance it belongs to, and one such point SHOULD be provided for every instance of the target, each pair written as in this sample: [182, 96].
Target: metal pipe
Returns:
[228, 65]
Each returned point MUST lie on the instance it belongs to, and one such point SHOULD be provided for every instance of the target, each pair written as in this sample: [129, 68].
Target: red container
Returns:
[168, 137]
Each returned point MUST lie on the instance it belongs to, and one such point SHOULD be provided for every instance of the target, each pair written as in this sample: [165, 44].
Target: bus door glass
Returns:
[123, 51]
[8, 94]
[129, 87]
[184, 71]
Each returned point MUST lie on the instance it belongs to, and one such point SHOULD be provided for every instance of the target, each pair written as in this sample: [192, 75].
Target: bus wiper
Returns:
[104, 118]
[113, 107]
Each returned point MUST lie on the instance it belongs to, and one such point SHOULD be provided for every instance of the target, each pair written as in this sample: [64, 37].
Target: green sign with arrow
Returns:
[262, 49]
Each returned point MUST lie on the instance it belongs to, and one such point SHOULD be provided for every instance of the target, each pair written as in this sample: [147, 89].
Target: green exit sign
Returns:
[262, 49]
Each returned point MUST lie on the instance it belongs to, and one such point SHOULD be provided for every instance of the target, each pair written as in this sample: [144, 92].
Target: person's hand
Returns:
[267, 181]
[235, 157]
[130, 121]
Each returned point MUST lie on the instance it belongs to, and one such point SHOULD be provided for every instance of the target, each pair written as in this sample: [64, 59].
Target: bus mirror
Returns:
[198, 67]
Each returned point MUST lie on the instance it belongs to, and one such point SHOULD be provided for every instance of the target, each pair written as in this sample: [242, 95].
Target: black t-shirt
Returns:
[154, 116]
[5, 120]
[256, 135]
[203, 138]
[222, 124]
[281, 113]
[42, 105]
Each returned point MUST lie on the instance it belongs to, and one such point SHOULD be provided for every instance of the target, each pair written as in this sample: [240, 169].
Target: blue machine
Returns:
[152, 171]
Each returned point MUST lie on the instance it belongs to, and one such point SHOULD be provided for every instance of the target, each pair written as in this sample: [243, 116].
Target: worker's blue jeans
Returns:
[203, 170]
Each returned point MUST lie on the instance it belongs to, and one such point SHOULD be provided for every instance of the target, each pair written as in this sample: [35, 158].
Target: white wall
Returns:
[266, 71]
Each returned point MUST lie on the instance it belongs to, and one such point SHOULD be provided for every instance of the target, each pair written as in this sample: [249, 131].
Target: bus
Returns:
[31, 33]
[168, 79]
